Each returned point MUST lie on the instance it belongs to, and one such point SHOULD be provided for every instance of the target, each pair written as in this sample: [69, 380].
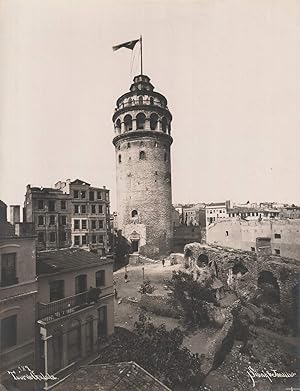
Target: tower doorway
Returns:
[135, 245]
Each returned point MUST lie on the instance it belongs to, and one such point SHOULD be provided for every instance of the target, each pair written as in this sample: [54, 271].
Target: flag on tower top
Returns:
[128, 45]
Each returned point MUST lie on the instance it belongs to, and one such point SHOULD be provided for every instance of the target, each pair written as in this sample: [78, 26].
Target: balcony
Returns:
[69, 305]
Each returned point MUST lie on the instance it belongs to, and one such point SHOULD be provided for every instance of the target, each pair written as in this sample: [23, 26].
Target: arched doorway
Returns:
[269, 287]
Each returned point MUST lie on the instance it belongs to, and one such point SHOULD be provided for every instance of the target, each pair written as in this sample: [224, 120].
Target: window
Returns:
[100, 278]
[151, 101]
[93, 224]
[52, 220]
[277, 251]
[80, 283]
[92, 196]
[94, 239]
[77, 240]
[83, 224]
[142, 155]
[120, 158]
[252, 248]
[8, 269]
[76, 224]
[75, 193]
[93, 209]
[8, 332]
[57, 290]
[40, 220]
[164, 124]
[128, 145]
[83, 209]
[153, 121]
[84, 239]
[40, 204]
[63, 236]
[52, 237]
[51, 206]
[118, 124]
[165, 157]
[140, 121]
[227, 233]
[76, 208]
[134, 213]
[100, 208]
[277, 236]
[63, 205]
[128, 122]
[83, 194]
[41, 237]
[100, 238]
[101, 224]
[99, 195]
[63, 220]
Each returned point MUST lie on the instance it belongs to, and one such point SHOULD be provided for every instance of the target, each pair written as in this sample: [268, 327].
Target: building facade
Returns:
[216, 211]
[18, 291]
[90, 215]
[142, 123]
[49, 210]
[75, 309]
[240, 234]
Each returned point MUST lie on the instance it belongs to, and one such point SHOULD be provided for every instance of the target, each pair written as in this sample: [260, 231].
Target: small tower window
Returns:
[142, 155]
[128, 145]
[134, 213]
[120, 158]
[118, 124]
[165, 156]
[141, 101]
[140, 121]
[128, 122]
[151, 101]
[169, 128]
[164, 124]
[153, 121]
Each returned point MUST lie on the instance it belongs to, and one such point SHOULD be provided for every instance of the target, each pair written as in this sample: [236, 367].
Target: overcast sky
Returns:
[229, 69]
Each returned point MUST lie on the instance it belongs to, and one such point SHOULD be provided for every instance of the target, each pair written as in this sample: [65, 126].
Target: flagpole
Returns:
[141, 43]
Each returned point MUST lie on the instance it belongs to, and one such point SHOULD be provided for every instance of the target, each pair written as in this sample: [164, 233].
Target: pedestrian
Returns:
[126, 277]
[163, 262]
[116, 294]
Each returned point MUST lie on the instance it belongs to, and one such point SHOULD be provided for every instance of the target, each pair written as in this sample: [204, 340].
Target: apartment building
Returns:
[49, 210]
[18, 291]
[75, 308]
[216, 211]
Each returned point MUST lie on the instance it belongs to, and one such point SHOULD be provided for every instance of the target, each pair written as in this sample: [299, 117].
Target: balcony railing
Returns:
[63, 307]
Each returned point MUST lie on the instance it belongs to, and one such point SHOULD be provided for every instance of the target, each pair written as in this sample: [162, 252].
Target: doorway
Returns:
[135, 246]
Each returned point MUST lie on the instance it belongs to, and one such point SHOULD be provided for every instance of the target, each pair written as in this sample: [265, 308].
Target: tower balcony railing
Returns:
[137, 103]
[69, 305]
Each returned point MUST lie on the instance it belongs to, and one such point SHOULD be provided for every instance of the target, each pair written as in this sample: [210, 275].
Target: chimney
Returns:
[15, 214]
[3, 212]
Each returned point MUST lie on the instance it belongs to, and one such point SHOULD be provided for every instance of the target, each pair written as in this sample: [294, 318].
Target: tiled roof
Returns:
[125, 376]
[55, 261]
[7, 230]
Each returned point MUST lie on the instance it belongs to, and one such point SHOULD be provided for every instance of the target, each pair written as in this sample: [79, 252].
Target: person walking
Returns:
[126, 277]
[116, 294]
[163, 262]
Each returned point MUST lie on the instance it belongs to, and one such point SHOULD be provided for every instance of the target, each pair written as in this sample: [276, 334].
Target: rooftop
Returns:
[122, 376]
[58, 261]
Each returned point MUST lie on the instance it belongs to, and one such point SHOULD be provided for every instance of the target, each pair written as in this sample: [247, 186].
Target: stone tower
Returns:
[142, 123]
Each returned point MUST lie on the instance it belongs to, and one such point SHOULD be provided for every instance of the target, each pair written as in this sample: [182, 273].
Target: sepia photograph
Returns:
[149, 195]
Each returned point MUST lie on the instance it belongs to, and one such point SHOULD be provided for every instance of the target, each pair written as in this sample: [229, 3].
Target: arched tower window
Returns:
[118, 124]
[164, 124]
[153, 121]
[140, 121]
[134, 213]
[141, 101]
[151, 101]
[128, 122]
[142, 155]
[129, 102]
[120, 158]
[169, 128]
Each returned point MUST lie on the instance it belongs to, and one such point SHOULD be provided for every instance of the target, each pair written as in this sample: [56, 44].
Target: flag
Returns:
[128, 45]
